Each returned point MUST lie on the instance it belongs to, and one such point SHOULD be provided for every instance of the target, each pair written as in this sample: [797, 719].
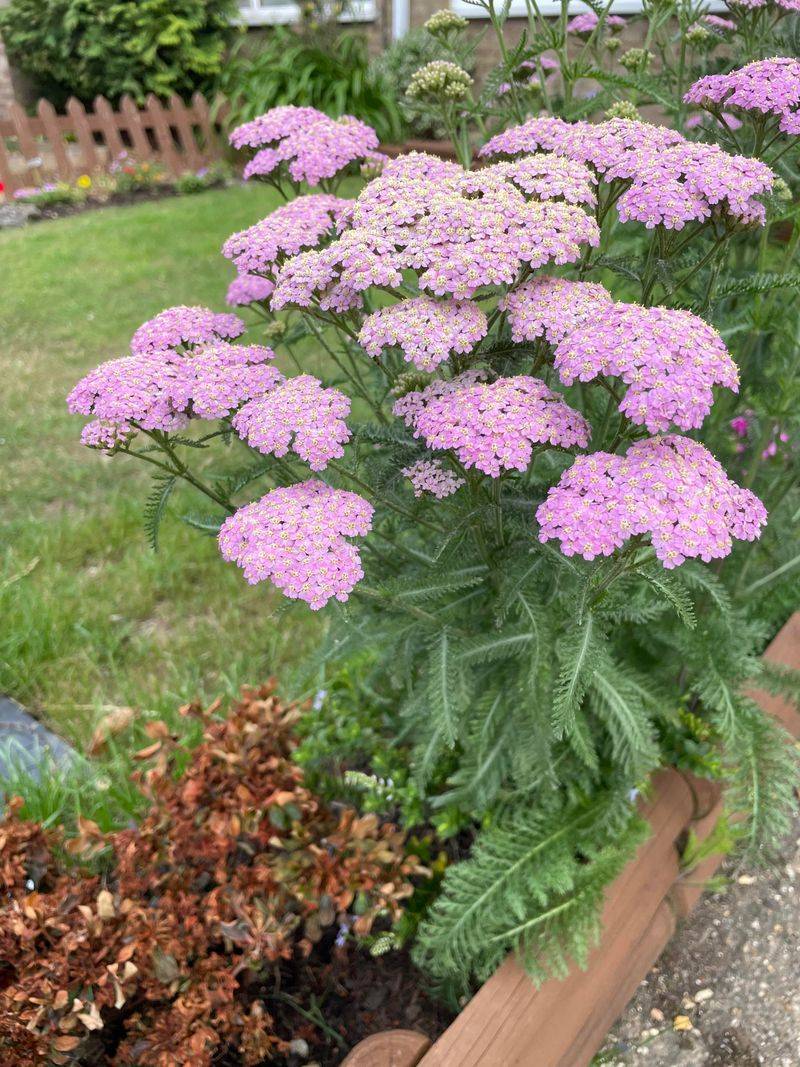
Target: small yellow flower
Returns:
[84, 182]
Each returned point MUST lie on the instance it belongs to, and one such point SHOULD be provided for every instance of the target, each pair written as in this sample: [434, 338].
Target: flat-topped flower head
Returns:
[583, 24]
[669, 359]
[610, 146]
[551, 307]
[302, 223]
[767, 87]
[305, 143]
[672, 181]
[669, 487]
[162, 390]
[182, 327]
[300, 414]
[429, 476]
[219, 378]
[492, 425]
[458, 230]
[140, 389]
[247, 289]
[719, 24]
[295, 537]
[426, 331]
[277, 124]
[106, 435]
[752, 5]
[550, 177]
[337, 276]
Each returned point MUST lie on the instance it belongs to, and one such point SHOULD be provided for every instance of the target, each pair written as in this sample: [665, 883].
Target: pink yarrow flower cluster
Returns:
[672, 181]
[138, 389]
[300, 413]
[106, 435]
[295, 537]
[183, 327]
[751, 5]
[767, 86]
[492, 426]
[669, 359]
[309, 144]
[427, 331]
[247, 288]
[459, 230]
[302, 223]
[162, 390]
[586, 23]
[552, 307]
[719, 23]
[429, 476]
[669, 487]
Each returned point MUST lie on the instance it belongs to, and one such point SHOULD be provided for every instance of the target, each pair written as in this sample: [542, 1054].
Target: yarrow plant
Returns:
[517, 442]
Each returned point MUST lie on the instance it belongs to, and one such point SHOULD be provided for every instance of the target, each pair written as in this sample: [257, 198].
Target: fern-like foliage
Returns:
[155, 507]
[533, 884]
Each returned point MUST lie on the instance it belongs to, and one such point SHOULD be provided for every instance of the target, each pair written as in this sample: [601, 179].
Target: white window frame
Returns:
[519, 9]
[252, 13]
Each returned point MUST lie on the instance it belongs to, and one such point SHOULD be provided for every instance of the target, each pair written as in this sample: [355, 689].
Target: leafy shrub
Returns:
[109, 47]
[171, 951]
[330, 75]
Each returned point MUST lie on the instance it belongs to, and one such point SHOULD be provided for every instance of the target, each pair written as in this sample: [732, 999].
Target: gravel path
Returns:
[726, 992]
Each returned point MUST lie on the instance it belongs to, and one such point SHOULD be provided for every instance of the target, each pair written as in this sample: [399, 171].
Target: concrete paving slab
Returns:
[25, 742]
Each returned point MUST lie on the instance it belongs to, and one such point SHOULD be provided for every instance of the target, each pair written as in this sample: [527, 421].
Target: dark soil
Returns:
[326, 1010]
[358, 996]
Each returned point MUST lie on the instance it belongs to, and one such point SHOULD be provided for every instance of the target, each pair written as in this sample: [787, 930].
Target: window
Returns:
[272, 12]
[553, 7]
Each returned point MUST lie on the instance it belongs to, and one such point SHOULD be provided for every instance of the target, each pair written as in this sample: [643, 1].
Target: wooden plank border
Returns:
[511, 1023]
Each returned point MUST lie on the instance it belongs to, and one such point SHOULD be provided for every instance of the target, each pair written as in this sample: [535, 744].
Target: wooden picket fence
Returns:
[52, 147]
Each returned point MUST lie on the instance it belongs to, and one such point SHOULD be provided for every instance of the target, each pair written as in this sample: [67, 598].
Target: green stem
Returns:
[382, 500]
[179, 470]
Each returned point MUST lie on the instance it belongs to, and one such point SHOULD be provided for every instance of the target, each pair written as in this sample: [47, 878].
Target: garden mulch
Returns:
[730, 977]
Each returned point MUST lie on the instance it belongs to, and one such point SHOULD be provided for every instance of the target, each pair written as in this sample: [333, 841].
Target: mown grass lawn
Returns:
[89, 615]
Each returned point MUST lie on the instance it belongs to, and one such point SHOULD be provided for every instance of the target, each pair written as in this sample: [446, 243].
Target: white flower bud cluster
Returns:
[439, 79]
[443, 22]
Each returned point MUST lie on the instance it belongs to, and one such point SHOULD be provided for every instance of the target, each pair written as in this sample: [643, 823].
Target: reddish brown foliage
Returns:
[236, 868]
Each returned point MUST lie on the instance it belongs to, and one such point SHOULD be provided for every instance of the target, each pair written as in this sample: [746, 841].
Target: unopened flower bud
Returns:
[636, 59]
[439, 79]
[442, 23]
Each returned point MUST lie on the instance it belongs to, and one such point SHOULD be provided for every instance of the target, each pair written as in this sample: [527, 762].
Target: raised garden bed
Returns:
[563, 1023]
